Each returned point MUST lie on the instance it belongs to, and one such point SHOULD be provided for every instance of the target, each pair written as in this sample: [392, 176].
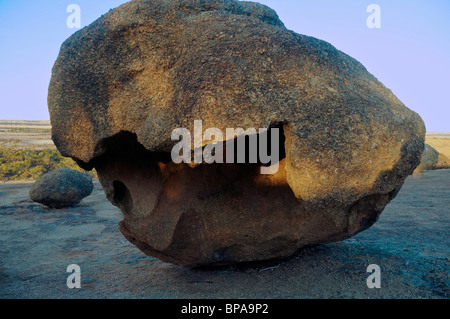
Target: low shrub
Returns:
[18, 163]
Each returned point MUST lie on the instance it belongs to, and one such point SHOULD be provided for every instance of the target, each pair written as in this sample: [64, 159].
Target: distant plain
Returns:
[37, 134]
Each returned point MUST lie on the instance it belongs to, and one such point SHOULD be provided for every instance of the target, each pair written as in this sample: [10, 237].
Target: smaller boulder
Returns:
[443, 162]
[61, 188]
[429, 159]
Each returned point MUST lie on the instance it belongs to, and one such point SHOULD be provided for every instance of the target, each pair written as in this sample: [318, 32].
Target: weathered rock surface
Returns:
[61, 188]
[429, 159]
[122, 85]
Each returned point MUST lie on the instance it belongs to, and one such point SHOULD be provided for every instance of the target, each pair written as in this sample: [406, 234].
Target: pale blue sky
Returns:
[410, 53]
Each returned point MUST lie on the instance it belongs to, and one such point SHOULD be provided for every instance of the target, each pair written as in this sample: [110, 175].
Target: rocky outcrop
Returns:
[61, 188]
[123, 84]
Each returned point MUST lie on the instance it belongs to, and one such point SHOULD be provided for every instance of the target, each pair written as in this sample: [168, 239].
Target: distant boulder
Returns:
[429, 159]
[61, 188]
[443, 162]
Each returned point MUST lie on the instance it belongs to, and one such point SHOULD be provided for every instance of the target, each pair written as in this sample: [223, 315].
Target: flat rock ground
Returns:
[410, 243]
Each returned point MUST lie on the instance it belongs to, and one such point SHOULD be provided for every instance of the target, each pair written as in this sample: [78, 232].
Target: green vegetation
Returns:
[18, 163]
[25, 130]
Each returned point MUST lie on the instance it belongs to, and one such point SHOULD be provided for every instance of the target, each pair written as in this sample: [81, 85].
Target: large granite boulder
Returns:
[122, 85]
[61, 187]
